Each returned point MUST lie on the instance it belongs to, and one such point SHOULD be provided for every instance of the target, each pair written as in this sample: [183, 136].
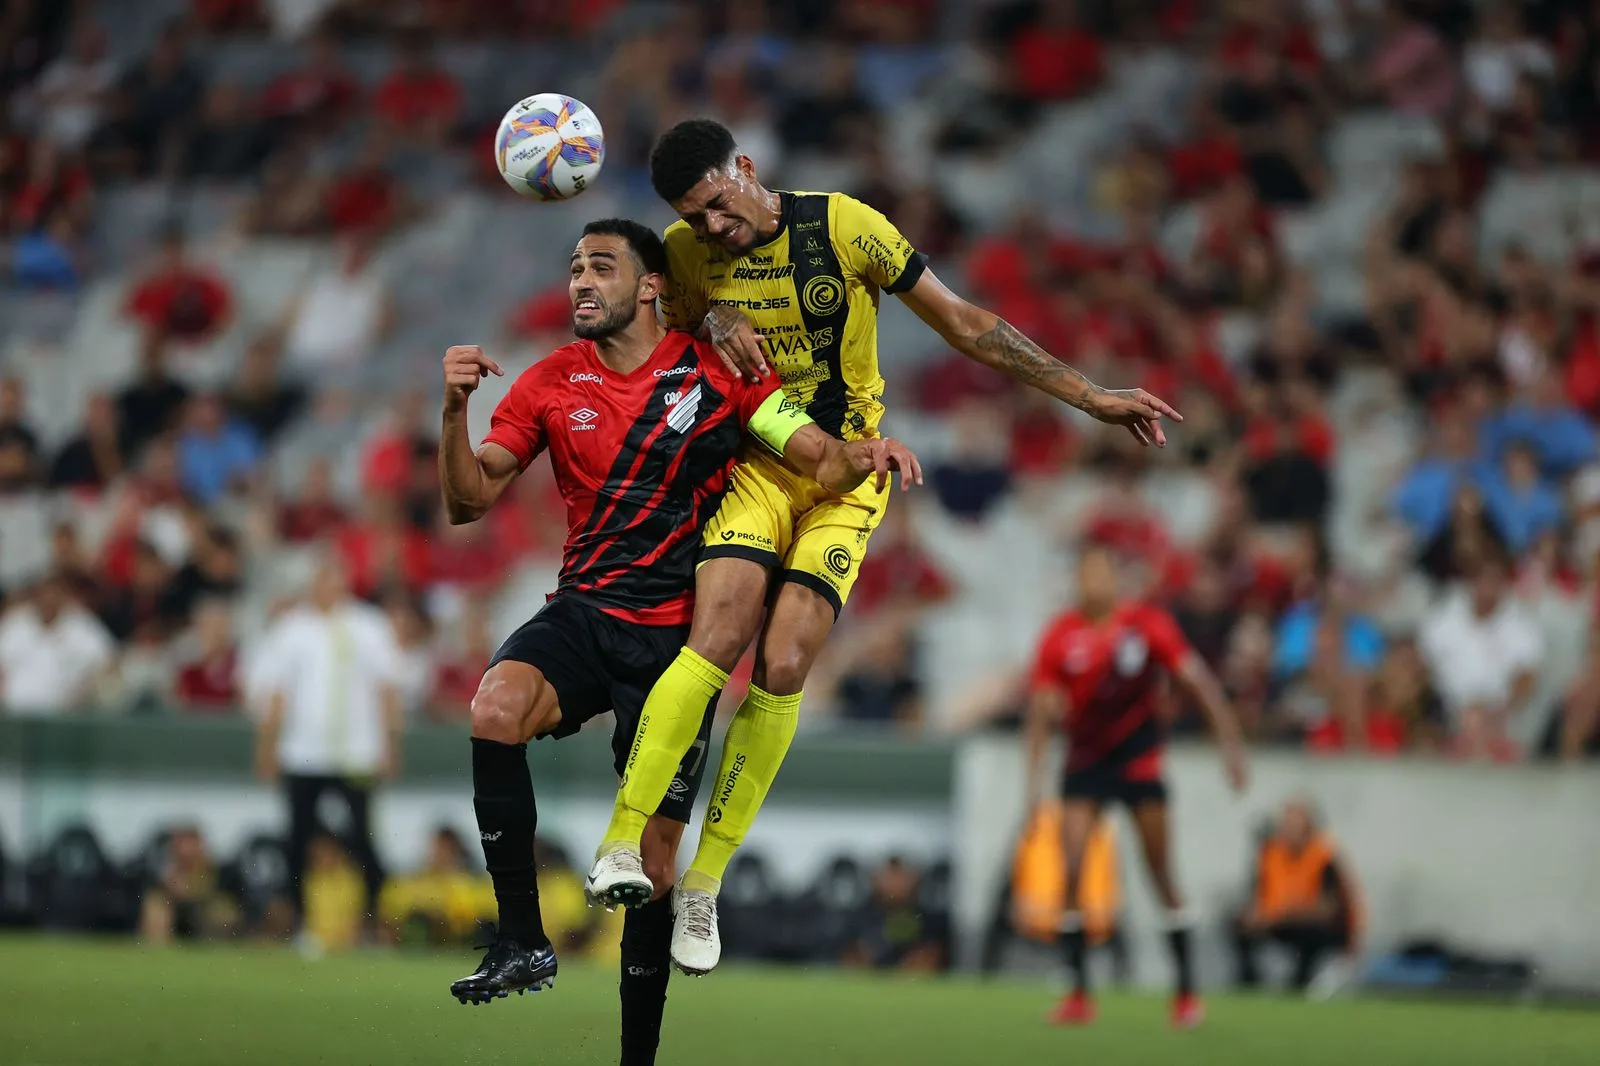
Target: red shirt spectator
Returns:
[49, 186]
[530, 520]
[417, 95]
[210, 681]
[455, 682]
[315, 514]
[1385, 734]
[363, 199]
[956, 379]
[1312, 435]
[1001, 263]
[211, 684]
[384, 551]
[1203, 164]
[1041, 443]
[319, 88]
[179, 300]
[546, 312]
[898, 572]
[1131, 529]
[1583, 367]
[224, 16]
[1249, 46]
[390, 456]
[1057, 59]
[467, 555]
[304, 521]
[1235, 220]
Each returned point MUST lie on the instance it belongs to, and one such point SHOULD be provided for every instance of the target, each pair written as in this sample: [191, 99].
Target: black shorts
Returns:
[597, 663]
[1109, 783]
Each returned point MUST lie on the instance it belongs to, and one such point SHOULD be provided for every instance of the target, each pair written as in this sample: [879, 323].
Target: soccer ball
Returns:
[550, 147]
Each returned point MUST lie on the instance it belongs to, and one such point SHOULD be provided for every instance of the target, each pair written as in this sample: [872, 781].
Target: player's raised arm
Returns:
[471, 482]
[985, 337]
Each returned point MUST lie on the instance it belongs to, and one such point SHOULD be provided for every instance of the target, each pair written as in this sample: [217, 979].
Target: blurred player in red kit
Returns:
[1100, 674]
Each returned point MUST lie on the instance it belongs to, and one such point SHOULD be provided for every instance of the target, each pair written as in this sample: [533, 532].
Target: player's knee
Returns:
[720, 636]
[783, 668]
[503, 711]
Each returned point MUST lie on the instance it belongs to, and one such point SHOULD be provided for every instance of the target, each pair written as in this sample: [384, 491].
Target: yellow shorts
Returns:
[790, 524]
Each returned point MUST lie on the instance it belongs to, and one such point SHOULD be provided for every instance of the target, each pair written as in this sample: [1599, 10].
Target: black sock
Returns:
[502, 794]
[646, 966]
[1075, 949]
[1180, 940]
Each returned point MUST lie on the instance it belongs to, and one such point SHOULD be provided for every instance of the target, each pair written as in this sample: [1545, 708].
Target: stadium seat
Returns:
[933, 894]
[13, 894]
[1152, 84]
[257, 876]
[747, 906]
[73, 886]
[824, 919]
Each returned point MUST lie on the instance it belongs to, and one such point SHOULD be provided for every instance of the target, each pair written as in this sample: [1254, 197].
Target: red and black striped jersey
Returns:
[1111, 673]
[642, 461]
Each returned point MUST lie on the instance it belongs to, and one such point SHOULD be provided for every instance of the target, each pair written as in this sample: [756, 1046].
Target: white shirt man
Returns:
[343, 313]
[52, 653]
[327, 673]
[1483, 650]
[328, 676]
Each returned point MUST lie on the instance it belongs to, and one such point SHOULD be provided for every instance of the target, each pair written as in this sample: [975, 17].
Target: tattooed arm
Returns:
[986, 338]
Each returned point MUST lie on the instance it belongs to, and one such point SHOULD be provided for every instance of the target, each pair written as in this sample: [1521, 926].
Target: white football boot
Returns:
[617, 879]
[696, 944]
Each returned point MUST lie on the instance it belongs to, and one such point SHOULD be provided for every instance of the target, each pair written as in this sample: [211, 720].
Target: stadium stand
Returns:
[1354, 243]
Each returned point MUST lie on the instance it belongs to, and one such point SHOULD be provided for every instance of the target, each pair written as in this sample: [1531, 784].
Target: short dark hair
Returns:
[642, 241]
[686, 153]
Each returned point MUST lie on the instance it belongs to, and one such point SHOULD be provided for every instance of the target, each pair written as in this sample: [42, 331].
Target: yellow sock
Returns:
[757, 740]
[667, 727]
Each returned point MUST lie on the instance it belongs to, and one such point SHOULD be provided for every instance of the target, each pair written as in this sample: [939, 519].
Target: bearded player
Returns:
[642, 425]
[1099, 675]
[800, 275]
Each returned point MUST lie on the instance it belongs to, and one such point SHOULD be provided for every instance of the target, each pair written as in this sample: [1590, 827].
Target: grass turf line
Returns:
[110, 1003]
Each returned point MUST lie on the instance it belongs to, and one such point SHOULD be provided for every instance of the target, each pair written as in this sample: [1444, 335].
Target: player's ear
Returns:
[745, 166]
[651, 286]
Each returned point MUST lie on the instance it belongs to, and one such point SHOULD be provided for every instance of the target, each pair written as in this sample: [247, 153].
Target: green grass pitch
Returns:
[84, 1003]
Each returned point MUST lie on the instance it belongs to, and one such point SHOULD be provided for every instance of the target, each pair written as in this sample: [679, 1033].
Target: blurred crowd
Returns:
[1378, 520]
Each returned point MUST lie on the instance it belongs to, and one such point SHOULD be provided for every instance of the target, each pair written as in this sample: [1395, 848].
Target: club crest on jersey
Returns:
[682, 408]
[582, 419]
[1132, 654]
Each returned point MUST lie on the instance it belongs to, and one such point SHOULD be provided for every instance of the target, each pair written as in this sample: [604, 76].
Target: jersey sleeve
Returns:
[870, 247]
[1167, 643]
[1046, 670]
[516, 424]
[682, 302]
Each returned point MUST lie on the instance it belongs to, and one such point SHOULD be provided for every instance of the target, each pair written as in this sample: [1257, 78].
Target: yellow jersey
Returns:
[812, 292]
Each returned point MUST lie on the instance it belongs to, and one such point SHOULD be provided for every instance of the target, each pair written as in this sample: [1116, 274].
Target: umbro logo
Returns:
[583, 418]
